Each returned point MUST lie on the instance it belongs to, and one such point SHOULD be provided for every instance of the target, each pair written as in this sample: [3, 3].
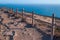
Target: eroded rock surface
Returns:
[40, 30]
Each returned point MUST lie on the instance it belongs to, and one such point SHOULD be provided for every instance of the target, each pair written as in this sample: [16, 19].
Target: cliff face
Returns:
[40, 30]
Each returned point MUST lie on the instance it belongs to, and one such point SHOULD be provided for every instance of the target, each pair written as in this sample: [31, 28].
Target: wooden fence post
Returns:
[53, 26]
[12, 9]
[16, 11]
[22, 13]
[0, 29]
[32, 16]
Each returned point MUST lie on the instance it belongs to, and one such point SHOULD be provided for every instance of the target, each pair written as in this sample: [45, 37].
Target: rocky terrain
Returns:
[24, 29]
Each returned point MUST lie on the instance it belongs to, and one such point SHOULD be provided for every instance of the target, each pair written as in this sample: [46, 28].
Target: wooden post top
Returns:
[16, 10]
[22, 10]
[53, 15]
[33, 12]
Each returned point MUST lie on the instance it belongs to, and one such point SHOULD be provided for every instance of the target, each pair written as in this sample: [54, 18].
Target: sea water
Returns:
[46, 10]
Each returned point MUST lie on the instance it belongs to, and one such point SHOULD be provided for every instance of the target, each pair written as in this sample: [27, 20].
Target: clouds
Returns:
[30, 1]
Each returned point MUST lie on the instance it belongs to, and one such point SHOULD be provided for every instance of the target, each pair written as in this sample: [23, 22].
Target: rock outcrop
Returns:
[40, 30]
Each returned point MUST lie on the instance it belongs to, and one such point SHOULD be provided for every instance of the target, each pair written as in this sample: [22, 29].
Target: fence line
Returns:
[53, 20]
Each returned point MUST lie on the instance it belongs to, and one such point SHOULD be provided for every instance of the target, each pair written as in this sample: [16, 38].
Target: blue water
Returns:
[46, 10]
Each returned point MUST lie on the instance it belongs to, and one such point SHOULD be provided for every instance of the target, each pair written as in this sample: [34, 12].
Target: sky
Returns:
[29, 1]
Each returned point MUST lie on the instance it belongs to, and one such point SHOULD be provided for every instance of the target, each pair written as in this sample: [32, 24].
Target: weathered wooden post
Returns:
[22, 13]
[12, 10]
[1, 19]
[16, 11]
[23, 20]
[0, 28]
[53, 26]
[0, 24]
[32, 16]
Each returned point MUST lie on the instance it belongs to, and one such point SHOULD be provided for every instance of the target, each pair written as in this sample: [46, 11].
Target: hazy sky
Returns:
[30, 1]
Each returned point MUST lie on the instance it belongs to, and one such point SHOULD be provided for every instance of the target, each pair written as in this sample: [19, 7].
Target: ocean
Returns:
[46, 10]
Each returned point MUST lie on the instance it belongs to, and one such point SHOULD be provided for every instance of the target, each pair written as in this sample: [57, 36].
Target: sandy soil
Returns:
[40, 30]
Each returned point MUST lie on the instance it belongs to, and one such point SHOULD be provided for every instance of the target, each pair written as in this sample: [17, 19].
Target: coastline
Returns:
[39, 9]
[41, 22]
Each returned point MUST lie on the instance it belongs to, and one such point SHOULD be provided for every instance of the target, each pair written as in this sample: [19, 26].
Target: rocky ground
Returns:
[40, 30]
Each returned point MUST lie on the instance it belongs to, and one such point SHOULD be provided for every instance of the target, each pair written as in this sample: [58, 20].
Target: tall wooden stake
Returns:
[22, 13]
[12, 9]
[16, 12]
[0, 28]
[53, 27]
[0, 24]
[32, 16]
